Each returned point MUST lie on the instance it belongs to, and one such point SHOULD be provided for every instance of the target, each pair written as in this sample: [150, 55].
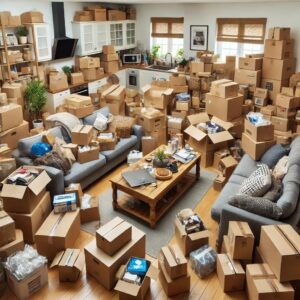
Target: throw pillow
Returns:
[281, 167]
[257, 205]
[276, 190]
[273, 154]
[258, 183]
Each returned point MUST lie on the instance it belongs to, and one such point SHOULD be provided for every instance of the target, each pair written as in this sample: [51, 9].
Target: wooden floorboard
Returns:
[87, 288]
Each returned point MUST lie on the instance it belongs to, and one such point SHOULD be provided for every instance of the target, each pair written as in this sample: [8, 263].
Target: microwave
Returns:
[132, 58]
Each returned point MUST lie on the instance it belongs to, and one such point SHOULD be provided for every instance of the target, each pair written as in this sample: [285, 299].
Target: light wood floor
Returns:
[87, 288]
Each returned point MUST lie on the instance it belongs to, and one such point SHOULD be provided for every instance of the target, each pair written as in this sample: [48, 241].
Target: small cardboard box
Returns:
[88, 62]
[110, 57]
[273, 86]
[173, 287]
[14, 21]
[113, 235]
[149, 143]
[281, 124]
[218, 155]
[88, 155]
[106, 144]
[183, 105]
[26, 287]
[78, 101]
[82, 134]
[224, 88]
[177, 80]
[278, 69]
[72, 147]
[12, 247]
[196, 67]
[255, 149]
[108, 49]
[117, 95]
[32, 17]
[192, 241]
[30, 223]
[227, 165]
[241, 240]
[260, 97]
[268, 110]
[116, 15]
[280, 247]
[90, 211]
[75, 188]
[77, 78]
[111, 66]
[219, 182]
[252, 78]
[152, 123]
[23, 199]
[99, 263]
[157, 97]
[279, 49]
[58, 82]
[279, 33]
[70, 264]
[134, 291]
[230, 273]
[81, 112]
[252, 64]
[7, 229]
[92, 74]
[259, 133]
[11, 115]
[58, 232]
[287, 101]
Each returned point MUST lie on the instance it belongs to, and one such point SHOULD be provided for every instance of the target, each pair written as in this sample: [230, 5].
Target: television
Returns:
[63, 47]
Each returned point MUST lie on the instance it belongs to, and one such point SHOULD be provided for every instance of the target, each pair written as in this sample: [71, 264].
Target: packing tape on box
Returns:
[286, 239]
[53, 229]
[242, 230]
[174, 254]
[272, 285]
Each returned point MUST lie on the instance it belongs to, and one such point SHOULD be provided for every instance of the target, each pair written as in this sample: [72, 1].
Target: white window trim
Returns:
[153, 41]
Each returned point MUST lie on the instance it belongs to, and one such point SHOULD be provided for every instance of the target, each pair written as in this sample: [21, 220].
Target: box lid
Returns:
[224, 124]
[240, 229]
[198, 118]
[109, 90]
[5, 218]
[259, 271]
[195, 133]
[173, 255]
[220, 137]
[198, 235]
[228, 161]
[230, 266]
[104, 230]
[69, 258]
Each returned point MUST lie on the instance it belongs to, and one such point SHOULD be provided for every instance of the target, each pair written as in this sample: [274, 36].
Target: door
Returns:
[117, 35]
[100, 31]
[43, 43]
[130, 35]
[87, 39]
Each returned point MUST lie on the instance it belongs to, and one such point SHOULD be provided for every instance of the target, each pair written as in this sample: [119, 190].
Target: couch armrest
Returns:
[138, 132]
[57, 184]
[20, 160]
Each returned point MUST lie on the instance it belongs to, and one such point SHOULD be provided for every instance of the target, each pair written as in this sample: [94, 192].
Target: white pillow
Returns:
[281, 167]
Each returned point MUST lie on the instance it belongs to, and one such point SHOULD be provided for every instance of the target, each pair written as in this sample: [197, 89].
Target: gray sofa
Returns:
[223, 212]
[86, 173]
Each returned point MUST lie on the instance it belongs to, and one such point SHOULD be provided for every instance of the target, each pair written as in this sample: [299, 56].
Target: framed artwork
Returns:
[199, 37]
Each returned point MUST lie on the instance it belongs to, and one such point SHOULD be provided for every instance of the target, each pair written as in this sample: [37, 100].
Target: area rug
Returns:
[160, 236]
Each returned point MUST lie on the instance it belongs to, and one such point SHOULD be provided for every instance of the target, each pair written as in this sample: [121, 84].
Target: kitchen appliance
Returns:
[132, 58]
[81, 89]
[132, 79]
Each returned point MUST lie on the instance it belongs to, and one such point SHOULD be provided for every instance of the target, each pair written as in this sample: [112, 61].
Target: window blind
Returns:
[167, 27]
[241, 30]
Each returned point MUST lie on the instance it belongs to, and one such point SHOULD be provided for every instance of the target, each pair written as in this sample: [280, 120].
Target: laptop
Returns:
[137, 178]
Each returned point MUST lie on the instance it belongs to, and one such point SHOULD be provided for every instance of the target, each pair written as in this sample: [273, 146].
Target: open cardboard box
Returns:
[157, 97]
[12, 247]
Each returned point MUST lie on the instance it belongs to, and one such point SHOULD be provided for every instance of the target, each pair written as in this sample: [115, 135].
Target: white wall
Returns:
[277, 14]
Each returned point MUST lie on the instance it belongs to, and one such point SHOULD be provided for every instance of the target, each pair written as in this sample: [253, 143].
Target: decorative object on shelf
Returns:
[36, 97]
[22, 33]
[198, 37]
[67, 70]
[160, 159]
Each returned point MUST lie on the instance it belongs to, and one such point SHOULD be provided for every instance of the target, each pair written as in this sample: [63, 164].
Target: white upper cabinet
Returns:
[130, 38]
[117, 34]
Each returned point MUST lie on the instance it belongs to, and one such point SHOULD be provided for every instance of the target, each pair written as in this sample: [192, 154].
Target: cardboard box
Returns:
[230, 273]
[82, 134]
[281, 124]
[4, 16]
[157, 97]
[23, 199]
[32, 17]
[30, 223]
[12, 247]
[149, 144]
[279, 33]
[273, 86]
[111, 66]
[219, 182]
[7, 229]
[268, 110]
[75, 188]
[70, 264]
[152, 123]
[14, 21]
[25, 288]
[279, 49]
[113, 235]
[255, 149]
[99, 14]
[183, 105]
[241, 240]
[177, 80]
[134, 291]
[110, 57]
[58, 82]
[58, 232]
[207, 159]
[88, 62]
[225, 109]
[227, 165]
[175, 123]
[287, 101]
[72, 147]
[252, 78]
[252, 64]
[90, 212]
[77, 78]
[260, 97]
[99, 263]
[196, 67]
[107, 144]
[11, 115]
[81, 112]
[116, 15]
[279, 245]
[89, 155]
[192, 241]
[278, 69]
[285, 112]
[5, 151]
[224, 88]
[117, 95]
[80, 16]
[108, 49]
[78, 101]
[92, 74]
[259, 133]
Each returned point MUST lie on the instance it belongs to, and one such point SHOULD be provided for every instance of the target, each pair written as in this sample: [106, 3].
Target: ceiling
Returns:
[171, 1]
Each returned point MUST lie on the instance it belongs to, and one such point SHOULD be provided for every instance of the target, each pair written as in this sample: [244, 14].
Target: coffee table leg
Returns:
[198, 169]
[152, 216]
[114, 196]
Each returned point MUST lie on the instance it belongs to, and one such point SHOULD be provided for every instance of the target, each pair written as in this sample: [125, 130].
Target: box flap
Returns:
[57, 259]
[180, 227]
[146, 88]
[195, 133]
[225, 125]
[128, 288]
[15, 191]
[168, 92]
[39, 183]
[292, 237]
[220, 137]
[260, 271]
[80, 261]
[120, 272]
[109, 226]
[198, 118]
[199, 235]
[152, 272]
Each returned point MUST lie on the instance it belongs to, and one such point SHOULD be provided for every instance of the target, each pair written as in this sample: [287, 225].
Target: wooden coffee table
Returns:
[148, 202]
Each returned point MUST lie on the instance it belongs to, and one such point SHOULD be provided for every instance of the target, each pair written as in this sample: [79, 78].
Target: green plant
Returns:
[22, 31]
[67, 70]
[154, 51]
[183, 62]
[180, 53]
[36, 97]
[161, 155]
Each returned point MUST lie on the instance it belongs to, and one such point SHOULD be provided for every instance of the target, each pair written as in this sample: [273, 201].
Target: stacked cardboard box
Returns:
[132, 103]
[80, 106]
[178, 83]
[260, 97]
[90, 68]
[114, 98]
[115, 243]
[110, 59]
[278, 62]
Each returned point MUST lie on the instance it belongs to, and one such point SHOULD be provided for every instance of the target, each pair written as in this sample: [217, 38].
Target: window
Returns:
[167, 45]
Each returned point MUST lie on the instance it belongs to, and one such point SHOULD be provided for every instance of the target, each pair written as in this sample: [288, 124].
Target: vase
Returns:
[23, 40]
[157, 163]
[38, 123]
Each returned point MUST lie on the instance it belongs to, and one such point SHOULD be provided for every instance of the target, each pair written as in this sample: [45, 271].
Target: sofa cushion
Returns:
[122, 146]
[90, 120]
[246, 166]
[294, 157]
[79, 171]
[273, 154]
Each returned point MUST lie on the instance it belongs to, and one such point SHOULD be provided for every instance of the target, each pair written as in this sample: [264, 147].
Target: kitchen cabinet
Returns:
[117, 35]
[122, 76]
[95, 85]
[55, 100]
[130, 34]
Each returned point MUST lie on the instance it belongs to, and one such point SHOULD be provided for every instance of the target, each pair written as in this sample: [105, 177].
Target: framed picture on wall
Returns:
[199, 37]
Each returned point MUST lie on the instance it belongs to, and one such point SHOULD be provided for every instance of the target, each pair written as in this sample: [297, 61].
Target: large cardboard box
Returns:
[149, 143]
[11, 115]
[7, 229]
[81, 112]
[248, 77]
[279, 49]
[152, 123]
[110, 57]
[88, 62]
[30, 223]
[287, 101]
[23, 199]
[157, 97]
[280, 247]
[76, 100]
[108, 49]
[112, 236]
[225, 109]
[82, 134]
[58, 82]
[58, 232]
[111, 66]
[99, 263]
[32, 17]
[249, 63]
[224, 88]
[196, 67]
[12, 247]
[278, 69]
[230, 273]
[13, 135]
[279, 33]
[88, 155]
[281, 124]
[273, 86]
[116, 15]
[259, 133]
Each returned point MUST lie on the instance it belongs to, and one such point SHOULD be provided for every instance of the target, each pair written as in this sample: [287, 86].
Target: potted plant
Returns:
[36, 97]
[22, 33]
[67, 70]
[154, 53]
[160, 159]
[182, 64]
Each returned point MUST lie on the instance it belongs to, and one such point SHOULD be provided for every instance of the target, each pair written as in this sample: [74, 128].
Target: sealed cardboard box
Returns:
[224, 88]
[32, 17]
[149, 143]
[91, 154]
[111, 66]
[284, 112]
[259, 133]
[207, 159]
[260, 96]
[76, 100]
[58, 232]
[116, 15]
[279, 49]
[279, 33]
[108, 49]
[279, 245]
[255, 149]
[281, 124]
[248, 63]
[230, 273]
[30, 223]
[227, 165]
[152, 123]
[110, 57]
[70, 264]
[23, 199]
[81, 112]
[75, 188]
[219, 182]
[89, 211]
[252, 78]
[278, 69]
[11, 115]
[88, 62]
[241, 240]
[273, 86]
[83, 16]
[117, 95]
[77, 78]
[99, 263]
[58, 82]
[113, 235]
[196, 67]
[92, 74]
[177, 80]
[287, 101]
[82, 134]
[7, 228]
[12, 247]
[183, 105]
